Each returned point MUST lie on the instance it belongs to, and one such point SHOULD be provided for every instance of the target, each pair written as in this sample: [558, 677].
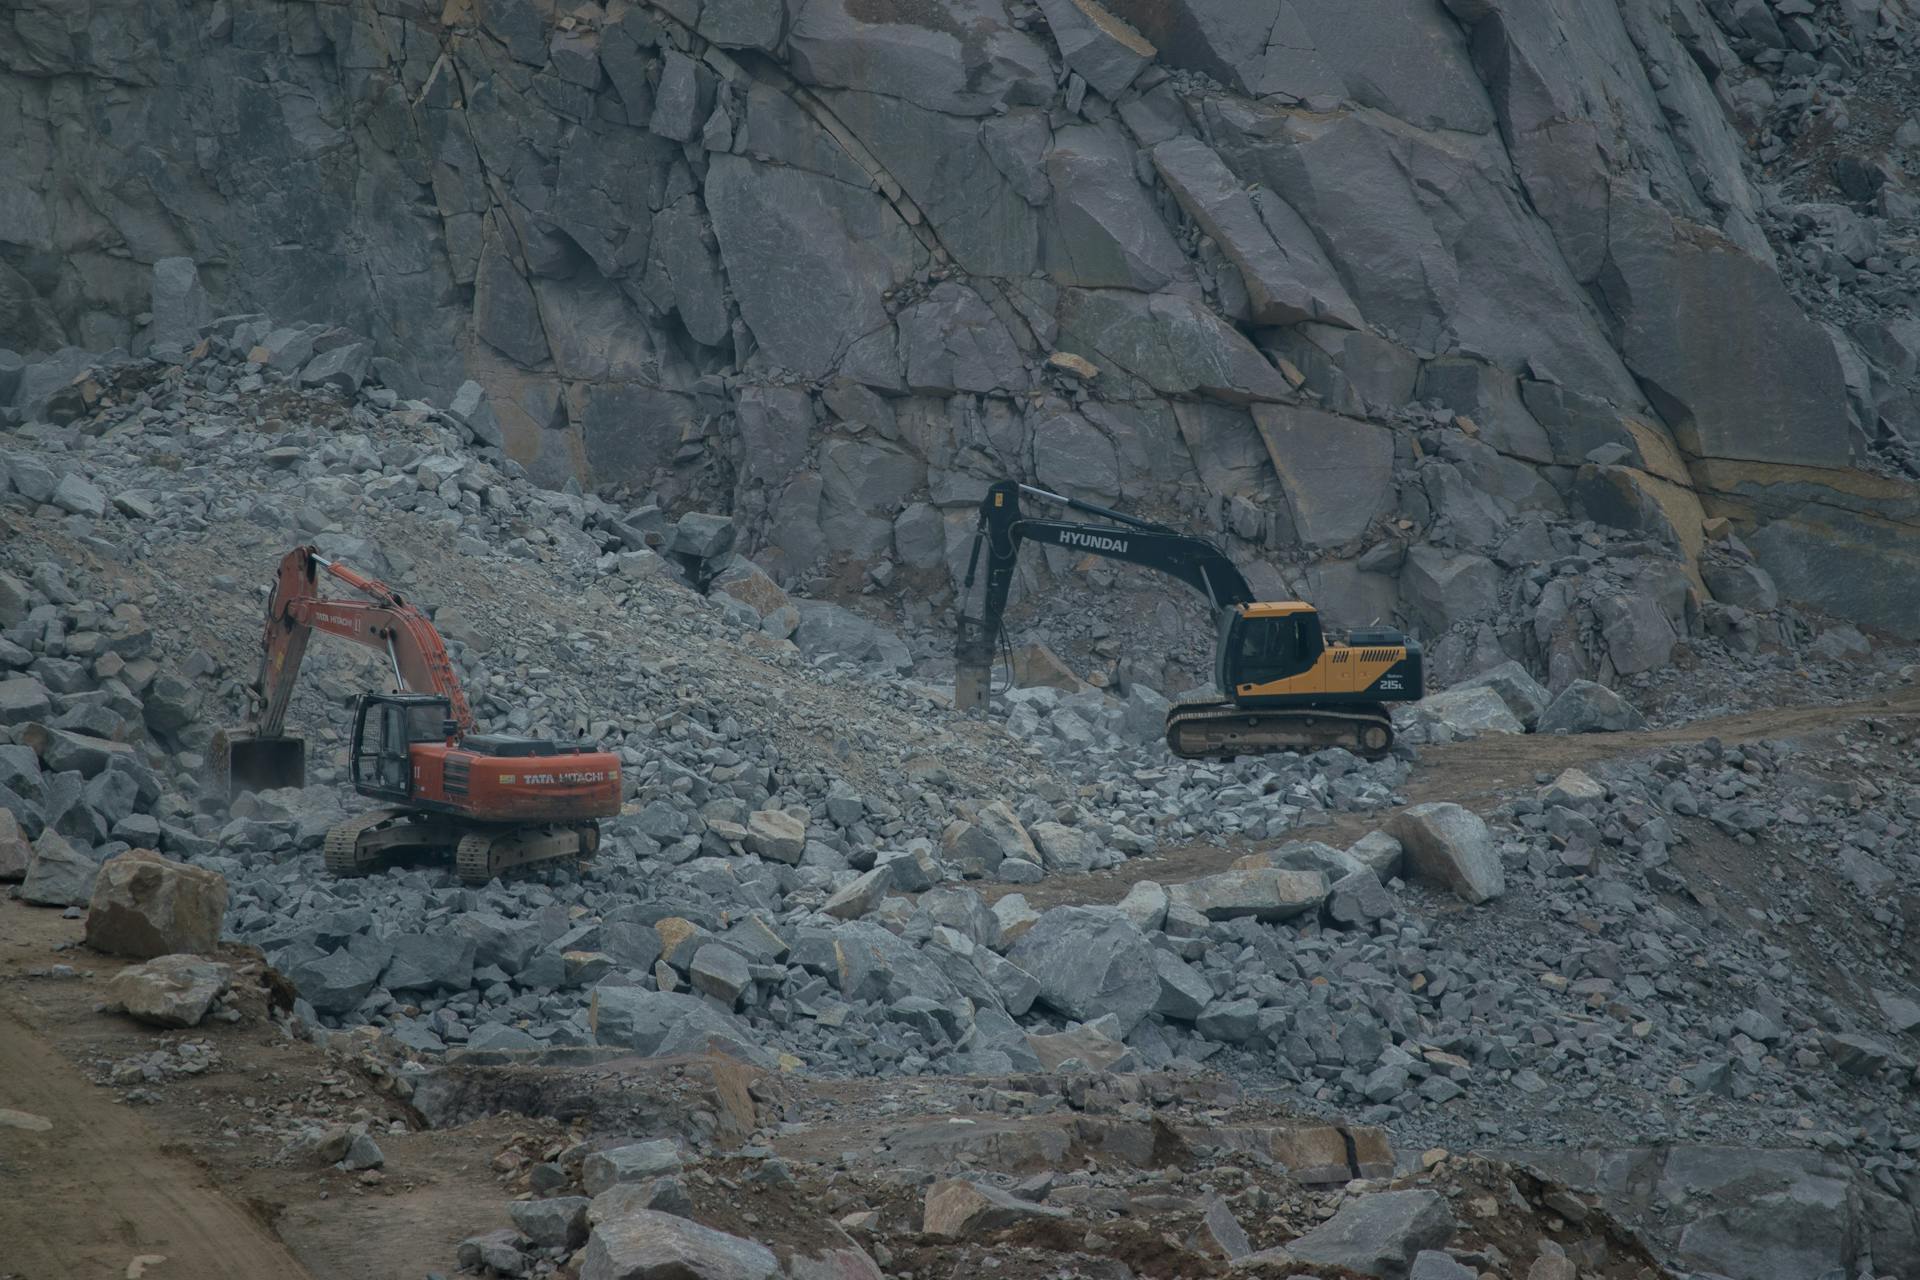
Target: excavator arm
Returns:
[1003, 530]
[260, 755]
[385, 623]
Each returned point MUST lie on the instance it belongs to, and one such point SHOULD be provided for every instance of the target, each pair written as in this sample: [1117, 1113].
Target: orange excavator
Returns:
[499, 802]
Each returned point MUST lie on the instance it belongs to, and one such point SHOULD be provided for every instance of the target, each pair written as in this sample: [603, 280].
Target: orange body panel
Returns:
[568, 787]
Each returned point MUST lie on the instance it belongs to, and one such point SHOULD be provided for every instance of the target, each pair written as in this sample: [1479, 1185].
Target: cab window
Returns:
[427, 722]
[1270, 649]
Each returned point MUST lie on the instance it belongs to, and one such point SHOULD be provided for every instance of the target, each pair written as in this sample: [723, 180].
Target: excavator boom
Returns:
[260, 756]
[384, 622]
[1003, 529]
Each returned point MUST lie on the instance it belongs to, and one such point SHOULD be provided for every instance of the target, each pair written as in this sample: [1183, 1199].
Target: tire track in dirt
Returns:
[96, 1190]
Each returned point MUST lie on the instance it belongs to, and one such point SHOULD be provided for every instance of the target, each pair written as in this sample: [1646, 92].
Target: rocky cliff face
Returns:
[1389, 294]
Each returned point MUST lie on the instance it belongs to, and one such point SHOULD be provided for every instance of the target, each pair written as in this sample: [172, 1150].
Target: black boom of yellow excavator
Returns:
[1284, 684]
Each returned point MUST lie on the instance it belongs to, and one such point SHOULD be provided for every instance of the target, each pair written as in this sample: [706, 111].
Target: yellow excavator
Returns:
[1285, 685]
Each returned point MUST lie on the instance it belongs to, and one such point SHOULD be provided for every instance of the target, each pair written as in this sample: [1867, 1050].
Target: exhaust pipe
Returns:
[240, 761]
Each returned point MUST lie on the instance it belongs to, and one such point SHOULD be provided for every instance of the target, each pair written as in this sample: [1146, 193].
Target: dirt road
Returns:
[195, 1173]
[97, 1191]
[1475, 773]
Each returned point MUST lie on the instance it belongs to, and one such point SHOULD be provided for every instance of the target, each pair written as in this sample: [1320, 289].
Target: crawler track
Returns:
[1221, 731]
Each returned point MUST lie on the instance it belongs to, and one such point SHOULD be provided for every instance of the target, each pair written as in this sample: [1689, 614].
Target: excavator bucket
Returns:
[242, 761]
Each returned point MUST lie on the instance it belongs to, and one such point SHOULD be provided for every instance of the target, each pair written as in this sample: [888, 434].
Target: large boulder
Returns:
[168, 991]
[344, 368]
[998, 820]
[79, 496]
[829, 629]
[1171, 342]
[1037, 666]
[554, 1222]
[776, 834]
[1107, 52]
[177, 302]
[147, 905]
[1441, 588]
[1144, 715]
[666, 1024]
[1337, 472]
[702, 536]
[635, 1162]
[337, 982]
[860, 895]
[1380, 853]
[951, 341]
[1261, 893]
[470, 407]
[1586, 707]
[1090, 961]
[1065, 850]
[61, 749]
[1526, 697]
[58, 875]
[971, 849]
[1104, 230]
[649, 1245]
[1288, 278]
[23, 700]
[956, 1209]
[1456, 713]
[1637, 633]
[1741, 583]
[747, 582]
[429, 962]
[1379, 1234]
[1450, 846]
[1762, 383]
[503, 943]
[15, 849]
[808, 258]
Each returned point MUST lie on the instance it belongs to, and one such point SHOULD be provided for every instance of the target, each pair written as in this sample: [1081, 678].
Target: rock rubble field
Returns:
[820, 869]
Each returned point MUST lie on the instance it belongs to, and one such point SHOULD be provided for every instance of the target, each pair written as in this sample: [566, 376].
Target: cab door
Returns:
[382, 764]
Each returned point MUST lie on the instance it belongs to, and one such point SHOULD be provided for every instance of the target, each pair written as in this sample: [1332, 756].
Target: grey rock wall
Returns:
[1353, 276]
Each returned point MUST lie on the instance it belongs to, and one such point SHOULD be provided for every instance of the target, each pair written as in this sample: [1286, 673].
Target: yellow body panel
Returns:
[1275, 609]
[1341, 669]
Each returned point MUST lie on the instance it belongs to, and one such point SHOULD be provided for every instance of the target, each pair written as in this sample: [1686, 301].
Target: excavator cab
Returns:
[385, 727]
[1263, 643]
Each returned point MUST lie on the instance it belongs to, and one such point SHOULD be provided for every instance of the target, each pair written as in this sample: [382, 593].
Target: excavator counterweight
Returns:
[1284, 685]
[495, 801]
